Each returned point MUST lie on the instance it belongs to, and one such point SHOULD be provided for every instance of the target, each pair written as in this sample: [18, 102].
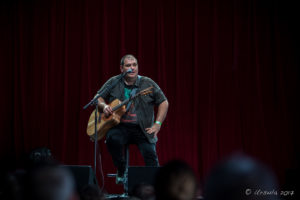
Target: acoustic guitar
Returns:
[107, 122]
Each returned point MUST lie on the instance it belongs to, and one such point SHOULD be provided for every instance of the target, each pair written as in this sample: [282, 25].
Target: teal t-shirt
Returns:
[127, 92]
[130, 116]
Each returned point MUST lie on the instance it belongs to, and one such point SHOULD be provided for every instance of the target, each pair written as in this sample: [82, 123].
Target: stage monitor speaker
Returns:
[138, 175]
[83, 175]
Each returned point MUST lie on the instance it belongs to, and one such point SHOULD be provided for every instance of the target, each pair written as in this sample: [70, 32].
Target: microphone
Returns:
[124, 73]
[128, 71]
[112, 85]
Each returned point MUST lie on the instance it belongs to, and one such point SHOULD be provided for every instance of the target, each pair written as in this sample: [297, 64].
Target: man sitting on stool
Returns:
[137, 125]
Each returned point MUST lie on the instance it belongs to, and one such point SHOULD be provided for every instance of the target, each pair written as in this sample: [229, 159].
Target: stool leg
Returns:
[125, 180]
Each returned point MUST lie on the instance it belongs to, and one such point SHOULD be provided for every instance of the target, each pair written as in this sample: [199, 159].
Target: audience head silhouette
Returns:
[143, 191]
[91, 192]
[37, 156]
[240, 177]
[175, 180]
[50, 181]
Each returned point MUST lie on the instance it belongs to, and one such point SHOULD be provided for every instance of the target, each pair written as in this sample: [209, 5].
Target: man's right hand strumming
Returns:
[107, 110]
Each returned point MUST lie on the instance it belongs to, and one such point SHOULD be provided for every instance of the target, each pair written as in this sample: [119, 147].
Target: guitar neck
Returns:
[123, 103]
[144, 92]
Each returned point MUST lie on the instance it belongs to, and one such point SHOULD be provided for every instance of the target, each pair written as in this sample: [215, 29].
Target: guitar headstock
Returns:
[146, 91]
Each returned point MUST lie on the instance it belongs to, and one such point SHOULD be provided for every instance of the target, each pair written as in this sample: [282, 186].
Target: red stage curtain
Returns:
[230, 70]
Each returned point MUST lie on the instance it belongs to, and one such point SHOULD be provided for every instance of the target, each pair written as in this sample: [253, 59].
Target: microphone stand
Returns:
[94, 101]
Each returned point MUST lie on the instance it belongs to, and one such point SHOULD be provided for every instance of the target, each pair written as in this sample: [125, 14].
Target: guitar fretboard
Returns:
[144, 92]
[123, 103]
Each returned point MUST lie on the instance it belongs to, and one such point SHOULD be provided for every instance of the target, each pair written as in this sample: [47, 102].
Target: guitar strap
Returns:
[133, 92]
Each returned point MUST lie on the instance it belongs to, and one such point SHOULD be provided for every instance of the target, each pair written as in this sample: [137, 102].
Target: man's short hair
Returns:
[127, 56]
